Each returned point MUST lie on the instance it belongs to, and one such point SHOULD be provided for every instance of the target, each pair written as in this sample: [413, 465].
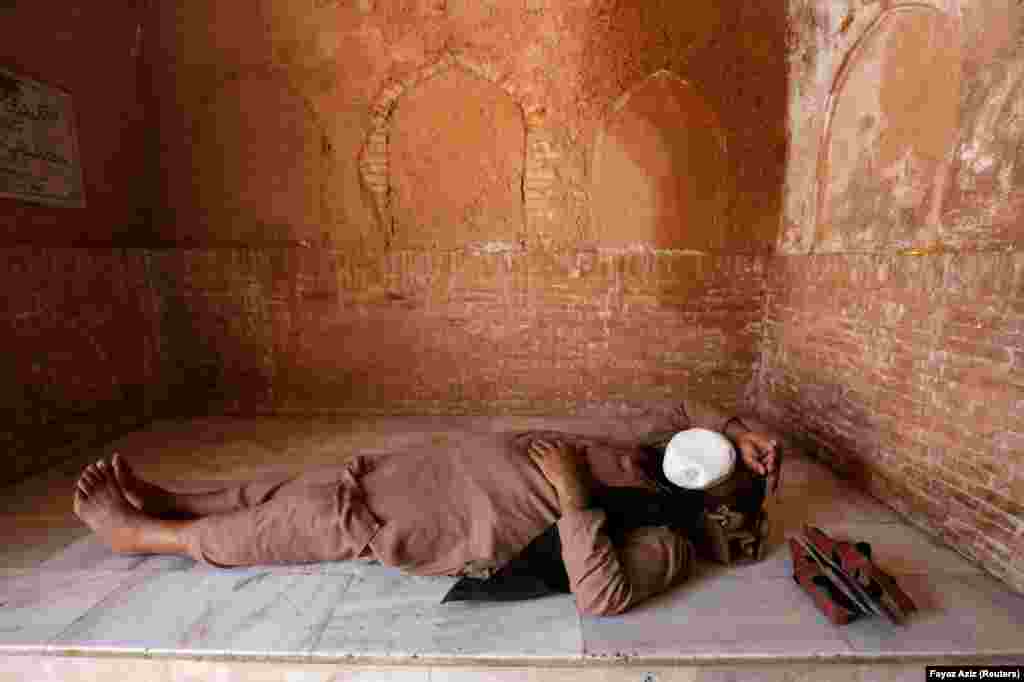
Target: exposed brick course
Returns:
[308, 331]
[934, 416]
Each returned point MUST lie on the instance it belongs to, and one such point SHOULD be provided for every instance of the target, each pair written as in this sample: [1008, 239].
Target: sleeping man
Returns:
[467, 511]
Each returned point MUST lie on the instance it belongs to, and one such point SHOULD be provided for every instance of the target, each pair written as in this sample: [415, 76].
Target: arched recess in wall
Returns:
[890, 131]
[443, 165]
[660, 174]
[253, 168]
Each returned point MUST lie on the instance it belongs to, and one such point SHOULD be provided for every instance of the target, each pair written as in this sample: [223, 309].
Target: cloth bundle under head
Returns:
[697, 459]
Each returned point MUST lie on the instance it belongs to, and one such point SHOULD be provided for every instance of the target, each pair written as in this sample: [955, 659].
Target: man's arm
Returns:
[690, 414]
[758, 450]
[605, 579]
[608, 580]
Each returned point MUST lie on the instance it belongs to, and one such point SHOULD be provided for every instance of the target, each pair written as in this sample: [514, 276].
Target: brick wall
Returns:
[78, 318]
[906, 373]
[306, 331]
[894, 339]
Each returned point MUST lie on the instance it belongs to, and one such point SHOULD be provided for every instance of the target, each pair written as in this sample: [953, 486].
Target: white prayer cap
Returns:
[697, 459]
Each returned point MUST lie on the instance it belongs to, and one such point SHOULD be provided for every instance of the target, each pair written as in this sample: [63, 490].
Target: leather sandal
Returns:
[830, 600]
[854, 559]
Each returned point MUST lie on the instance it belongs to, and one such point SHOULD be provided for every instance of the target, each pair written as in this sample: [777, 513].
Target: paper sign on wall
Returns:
[39, 158]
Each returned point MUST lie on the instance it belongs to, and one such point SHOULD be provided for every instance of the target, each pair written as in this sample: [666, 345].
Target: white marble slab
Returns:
[579, 674]
[718, 615]
[35, 607]
[956, 614]
[387, 613]
[182, 671]
[242, 610]
[90, 554]
[68, 669]
[93, 669]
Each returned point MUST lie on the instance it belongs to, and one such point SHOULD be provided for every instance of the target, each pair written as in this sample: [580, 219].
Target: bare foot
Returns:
[144, 496]
[101, 505]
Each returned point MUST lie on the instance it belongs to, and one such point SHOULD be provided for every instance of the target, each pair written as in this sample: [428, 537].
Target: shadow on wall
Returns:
[660, 172]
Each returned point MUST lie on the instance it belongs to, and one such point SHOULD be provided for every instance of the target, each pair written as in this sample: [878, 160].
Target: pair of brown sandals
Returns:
[843, 581]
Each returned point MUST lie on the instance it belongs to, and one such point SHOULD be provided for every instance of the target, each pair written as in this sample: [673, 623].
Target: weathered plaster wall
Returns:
[79, 326]
[894, 328]
[395, 206]
[93, 51]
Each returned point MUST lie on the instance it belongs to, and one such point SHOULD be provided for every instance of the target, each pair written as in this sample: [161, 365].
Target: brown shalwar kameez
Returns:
[451, 510]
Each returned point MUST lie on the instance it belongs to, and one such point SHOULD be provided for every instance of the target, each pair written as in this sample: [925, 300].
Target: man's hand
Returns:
[564, 470]
[680, 418]
[760, 454]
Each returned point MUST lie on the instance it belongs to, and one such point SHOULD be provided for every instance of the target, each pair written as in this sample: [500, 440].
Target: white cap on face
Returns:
[697, 459]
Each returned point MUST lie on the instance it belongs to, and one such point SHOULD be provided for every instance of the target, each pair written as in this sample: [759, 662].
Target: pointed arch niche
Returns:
[660, 173]
[891, 128]
[444, 163]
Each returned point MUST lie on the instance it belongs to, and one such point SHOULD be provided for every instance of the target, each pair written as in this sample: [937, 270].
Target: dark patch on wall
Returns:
[81, 341]
[80, 363]
[88, 53]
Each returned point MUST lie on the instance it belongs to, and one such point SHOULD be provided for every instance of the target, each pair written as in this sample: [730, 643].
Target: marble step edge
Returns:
[1008, 657]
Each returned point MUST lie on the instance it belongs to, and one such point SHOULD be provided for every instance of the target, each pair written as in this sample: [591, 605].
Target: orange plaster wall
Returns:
[389, 206]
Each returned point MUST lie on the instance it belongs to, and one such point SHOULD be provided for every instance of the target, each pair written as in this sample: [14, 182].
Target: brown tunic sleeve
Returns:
[608, 580]
[701, 415]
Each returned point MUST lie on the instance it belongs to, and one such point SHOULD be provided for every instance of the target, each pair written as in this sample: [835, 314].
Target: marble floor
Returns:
[66, 603]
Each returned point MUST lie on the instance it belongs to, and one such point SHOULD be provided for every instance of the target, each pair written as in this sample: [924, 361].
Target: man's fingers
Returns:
[539, 446]
[544, 447]
[750, 456]
[540, 450]
[762, 452]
